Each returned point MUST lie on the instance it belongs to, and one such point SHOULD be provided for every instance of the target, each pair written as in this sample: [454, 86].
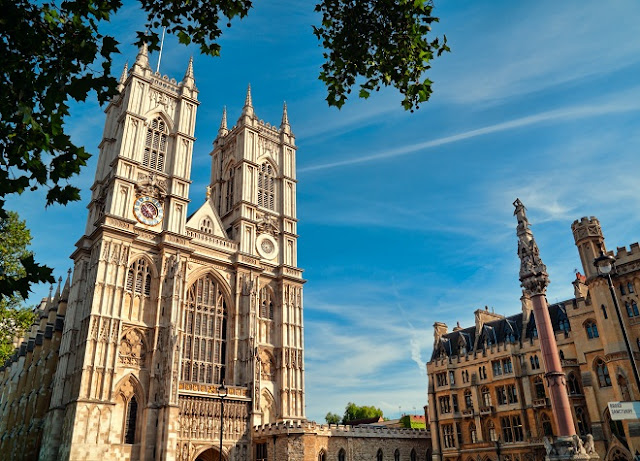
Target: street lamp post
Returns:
[222, 393]
[605, 264]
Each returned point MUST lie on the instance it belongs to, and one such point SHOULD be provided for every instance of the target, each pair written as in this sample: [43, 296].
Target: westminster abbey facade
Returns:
[166, 311]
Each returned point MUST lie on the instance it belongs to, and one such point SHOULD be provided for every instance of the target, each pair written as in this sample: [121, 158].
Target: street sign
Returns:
[624, 410]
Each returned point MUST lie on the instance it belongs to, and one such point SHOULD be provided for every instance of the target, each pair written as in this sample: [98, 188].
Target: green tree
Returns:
[353, 412]
[332, 418]
[52, 53]
[14, 318]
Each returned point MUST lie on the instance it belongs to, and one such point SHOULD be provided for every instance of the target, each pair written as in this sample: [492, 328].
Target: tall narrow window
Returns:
[379, 456]
[130, 421]
[342, 455]
[547, 429]
[604, 380]
[486, 397]
[630, 287]
[155, 146]
[491, 429]
[624, 388]
[573, 386]
[473, 433]
[205, 362]
[396, 455]
[229, 188]
[413, 455]
[539, 388]
[582, 422]
[139, 277]
[604, 311]
[563, 325]
[266, 186]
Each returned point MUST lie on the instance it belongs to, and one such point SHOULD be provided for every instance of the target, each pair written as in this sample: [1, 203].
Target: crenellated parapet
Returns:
[337, 430]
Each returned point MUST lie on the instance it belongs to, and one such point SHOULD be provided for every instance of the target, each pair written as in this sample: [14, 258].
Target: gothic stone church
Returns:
[164, 307]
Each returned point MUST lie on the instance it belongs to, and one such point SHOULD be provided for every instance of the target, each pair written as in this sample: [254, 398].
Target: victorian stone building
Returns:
[168, 311]
[488, 396]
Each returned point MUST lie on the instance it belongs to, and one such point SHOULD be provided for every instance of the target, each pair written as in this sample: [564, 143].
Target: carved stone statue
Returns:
[548, 446]
[589, 446]
[578, 446]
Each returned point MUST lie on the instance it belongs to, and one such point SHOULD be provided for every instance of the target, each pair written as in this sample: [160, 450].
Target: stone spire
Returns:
[248, 105]
[188, 80]
[142, 59]
[533, 272]
[222, 131]
[67, 287]
[284, 125]
[56, 297]
[123, 77]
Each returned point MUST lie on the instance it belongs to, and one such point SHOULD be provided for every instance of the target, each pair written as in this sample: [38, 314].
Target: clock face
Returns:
[148, 210]
[267, 246]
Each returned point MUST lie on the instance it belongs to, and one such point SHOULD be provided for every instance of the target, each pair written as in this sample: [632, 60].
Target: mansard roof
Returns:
[497, 331]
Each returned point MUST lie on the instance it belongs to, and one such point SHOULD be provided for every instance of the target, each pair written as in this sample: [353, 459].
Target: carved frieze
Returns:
[132, 350]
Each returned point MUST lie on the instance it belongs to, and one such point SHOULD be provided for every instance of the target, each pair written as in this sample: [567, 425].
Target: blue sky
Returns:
[406, 219]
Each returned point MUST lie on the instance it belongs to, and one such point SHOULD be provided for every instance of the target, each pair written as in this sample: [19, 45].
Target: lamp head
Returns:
[604, 263]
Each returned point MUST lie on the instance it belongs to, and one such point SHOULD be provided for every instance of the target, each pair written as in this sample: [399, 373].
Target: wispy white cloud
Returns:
[625, 104]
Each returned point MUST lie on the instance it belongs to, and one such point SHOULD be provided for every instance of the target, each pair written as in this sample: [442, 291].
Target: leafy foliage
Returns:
[18, 270]
[14, 322]
[383, 42]
[353, 412]
[332, 418]
[16, 262]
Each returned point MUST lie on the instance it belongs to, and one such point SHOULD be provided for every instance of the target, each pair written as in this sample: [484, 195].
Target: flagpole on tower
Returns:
[161, 45]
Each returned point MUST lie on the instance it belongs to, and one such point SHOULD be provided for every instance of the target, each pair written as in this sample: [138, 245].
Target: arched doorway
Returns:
[210, 455]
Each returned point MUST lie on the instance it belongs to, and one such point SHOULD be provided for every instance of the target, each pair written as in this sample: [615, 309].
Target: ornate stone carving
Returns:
[132, 350]
[267, 225]
[533, 272]
[151, 185]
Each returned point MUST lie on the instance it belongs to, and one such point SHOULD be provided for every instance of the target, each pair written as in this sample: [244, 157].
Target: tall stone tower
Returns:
[168, 312]
[253, 186]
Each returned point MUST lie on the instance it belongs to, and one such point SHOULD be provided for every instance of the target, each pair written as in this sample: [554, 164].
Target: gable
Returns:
[206, 219]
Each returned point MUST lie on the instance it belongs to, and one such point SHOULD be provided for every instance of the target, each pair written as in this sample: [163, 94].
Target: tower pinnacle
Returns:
[188, 79]
[284, 125]
[222, 131]
[123, 76]
[533, 272]
[142, 59]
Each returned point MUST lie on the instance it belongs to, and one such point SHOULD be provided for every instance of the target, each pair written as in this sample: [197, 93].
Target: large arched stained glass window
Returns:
[205, 328]
[155, 145]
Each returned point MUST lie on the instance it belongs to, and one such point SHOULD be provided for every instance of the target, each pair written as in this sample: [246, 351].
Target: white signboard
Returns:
[624, 410]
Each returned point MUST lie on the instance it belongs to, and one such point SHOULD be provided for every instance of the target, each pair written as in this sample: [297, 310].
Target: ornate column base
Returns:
[570, 448]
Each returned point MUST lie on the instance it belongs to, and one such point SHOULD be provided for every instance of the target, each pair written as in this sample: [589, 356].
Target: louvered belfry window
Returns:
[266, 186]
[139, 278]
[155, 145]
[205, 328]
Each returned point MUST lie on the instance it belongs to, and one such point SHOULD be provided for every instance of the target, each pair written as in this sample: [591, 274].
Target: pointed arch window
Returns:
[473, 433]
[491, 429]
[538, 385]
[130, 421]
[342, 455]
[266, 186]
[205, 327]
[630, 287]
[573, 386]
[379, 456]
[322, 456]
[486, 397]
[632, 309]
[139, 278]
[563, 325]
[155, 146]
[582, 422]
[547, 428]
[592, 329]
[604, 380]
[229, 188]
[266, 304]
[396, 455]
[413, 455]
